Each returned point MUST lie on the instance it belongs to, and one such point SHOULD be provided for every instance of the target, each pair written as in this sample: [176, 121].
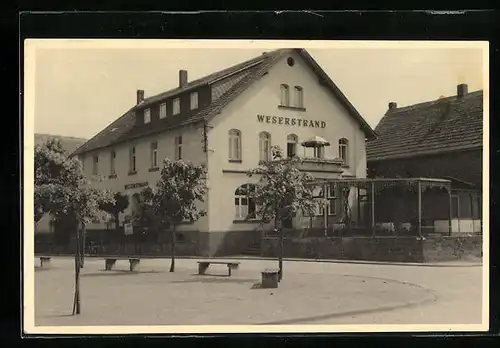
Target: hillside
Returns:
[69, 143]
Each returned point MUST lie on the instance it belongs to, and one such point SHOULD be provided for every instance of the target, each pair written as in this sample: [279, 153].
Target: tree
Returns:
[117, 207]
[62, 191]
[181, 186]
[282, 190]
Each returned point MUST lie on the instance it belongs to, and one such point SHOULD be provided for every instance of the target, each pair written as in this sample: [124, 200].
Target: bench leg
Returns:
[133, 265]
[44, 262]
[229, 271]
[109, 264]
[202, 268]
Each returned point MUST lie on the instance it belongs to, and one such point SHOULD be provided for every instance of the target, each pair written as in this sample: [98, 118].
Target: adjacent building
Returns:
[228, 121]
[443, 139]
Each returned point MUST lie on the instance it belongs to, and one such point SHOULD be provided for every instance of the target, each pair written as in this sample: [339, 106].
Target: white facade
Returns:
[263, 97]
[234, 143]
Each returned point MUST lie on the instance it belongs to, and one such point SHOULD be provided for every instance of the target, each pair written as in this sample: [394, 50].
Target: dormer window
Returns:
[176, 106]
[194, 100]
[147, 115]
[163, 110]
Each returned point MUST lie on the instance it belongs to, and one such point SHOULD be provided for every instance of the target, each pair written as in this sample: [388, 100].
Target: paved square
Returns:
[310, 293]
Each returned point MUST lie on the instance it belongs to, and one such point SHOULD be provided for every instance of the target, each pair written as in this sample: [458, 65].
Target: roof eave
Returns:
[423, 153]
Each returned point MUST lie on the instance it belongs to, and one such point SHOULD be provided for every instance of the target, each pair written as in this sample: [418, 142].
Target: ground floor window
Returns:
[244, 204]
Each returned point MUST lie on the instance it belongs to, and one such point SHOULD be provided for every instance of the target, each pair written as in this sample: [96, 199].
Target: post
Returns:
[325, 209]
[419, 208]
[280, 260]
[76, 301]
[373, 208]
[358, 213]
[449, 212]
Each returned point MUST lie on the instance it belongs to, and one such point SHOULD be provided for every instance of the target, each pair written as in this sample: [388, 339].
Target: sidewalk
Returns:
[458, 263]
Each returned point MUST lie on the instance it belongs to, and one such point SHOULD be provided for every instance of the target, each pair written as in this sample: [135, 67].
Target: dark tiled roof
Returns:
[70, 144]
[236, 80]
[438, 126]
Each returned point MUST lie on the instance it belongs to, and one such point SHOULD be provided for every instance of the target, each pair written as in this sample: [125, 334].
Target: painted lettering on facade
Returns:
[293, 122]
[136, 185]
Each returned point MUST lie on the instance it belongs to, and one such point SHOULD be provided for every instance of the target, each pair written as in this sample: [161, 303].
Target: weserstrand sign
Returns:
[136, 185]
[293, 122]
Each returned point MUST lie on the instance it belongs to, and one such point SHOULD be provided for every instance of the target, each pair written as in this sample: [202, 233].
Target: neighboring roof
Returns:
[70, 144]
[443, 125]
[237, 79]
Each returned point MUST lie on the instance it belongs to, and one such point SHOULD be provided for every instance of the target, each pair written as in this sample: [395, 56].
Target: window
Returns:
[331, 198]
[455, 207]
[285, 95]
[299, 97]
[154, 154]
[95, 167]
[132, 167]
[163, 110]
[343, 154]
[234, 145]
[194, 100]
[178, 147]
[319, 152]
[112, 170]
[264, 146]
[147, 115]
[244, 204]
[176, 106]
[291, 146]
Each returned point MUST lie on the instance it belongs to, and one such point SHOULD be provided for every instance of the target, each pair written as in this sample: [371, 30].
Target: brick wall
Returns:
[464, 165]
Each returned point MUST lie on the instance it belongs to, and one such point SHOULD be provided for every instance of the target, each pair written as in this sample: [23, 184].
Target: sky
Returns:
[79, 91]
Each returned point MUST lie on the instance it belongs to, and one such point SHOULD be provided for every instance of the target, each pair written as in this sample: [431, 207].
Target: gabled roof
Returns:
[70, 144]
[443, 125]
[236, 80]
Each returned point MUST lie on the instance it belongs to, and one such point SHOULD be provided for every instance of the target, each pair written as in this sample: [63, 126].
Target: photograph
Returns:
[216, 186]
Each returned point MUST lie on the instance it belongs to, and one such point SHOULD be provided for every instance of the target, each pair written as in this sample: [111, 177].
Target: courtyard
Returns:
[310, 293]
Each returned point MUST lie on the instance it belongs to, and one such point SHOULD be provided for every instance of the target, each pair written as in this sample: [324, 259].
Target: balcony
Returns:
[321, 165]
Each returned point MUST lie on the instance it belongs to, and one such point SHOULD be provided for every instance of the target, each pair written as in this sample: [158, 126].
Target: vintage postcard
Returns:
[204, 186]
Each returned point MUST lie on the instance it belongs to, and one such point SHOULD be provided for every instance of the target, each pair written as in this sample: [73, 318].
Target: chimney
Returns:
[140, 96]
[393, 105]
[462, 90]
[183, 78]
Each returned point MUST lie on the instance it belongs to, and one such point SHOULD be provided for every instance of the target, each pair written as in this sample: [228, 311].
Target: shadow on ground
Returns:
[434, 297]
[221, 280]
[105, 273]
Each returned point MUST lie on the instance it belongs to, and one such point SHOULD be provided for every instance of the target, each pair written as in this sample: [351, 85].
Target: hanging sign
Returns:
[128, 228]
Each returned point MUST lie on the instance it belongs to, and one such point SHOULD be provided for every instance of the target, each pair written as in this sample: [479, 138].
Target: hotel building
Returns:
[227, 121]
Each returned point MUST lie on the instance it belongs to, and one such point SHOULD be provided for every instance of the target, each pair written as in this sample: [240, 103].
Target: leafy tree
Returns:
[62, 191]
[282, 190]
[181, 185]
[119, 205]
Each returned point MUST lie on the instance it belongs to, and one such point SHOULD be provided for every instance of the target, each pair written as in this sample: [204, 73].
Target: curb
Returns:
[355, 262]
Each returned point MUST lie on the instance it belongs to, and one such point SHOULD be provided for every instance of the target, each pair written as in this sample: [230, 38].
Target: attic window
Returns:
[290, 61]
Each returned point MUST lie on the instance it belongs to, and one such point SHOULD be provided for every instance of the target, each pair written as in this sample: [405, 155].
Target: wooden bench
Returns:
[109, 263]
[270, 278]
[44, 261]
[203, 265]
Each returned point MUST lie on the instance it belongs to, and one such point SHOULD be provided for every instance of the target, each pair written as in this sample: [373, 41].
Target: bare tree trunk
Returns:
[172, 250]
[76, 300]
